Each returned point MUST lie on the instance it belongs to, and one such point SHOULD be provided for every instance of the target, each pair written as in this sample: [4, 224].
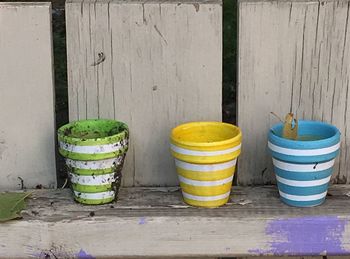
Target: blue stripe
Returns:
[302, 191]
[303, 176]
[304, 159]
[302, 203]
[330, 135]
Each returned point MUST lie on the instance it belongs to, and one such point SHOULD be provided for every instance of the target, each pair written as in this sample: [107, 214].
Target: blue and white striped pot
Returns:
[303, 168]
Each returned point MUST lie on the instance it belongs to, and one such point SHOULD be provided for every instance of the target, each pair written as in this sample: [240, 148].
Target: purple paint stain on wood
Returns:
[142, 221]
[83, 255]
[305, 236]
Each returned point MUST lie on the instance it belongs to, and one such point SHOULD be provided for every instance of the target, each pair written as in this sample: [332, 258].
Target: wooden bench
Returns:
[131, 61]
[154, 222]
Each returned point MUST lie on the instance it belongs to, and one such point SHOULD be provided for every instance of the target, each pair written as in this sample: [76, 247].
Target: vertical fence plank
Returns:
[27, 124]
[293, 56]
[160, 66]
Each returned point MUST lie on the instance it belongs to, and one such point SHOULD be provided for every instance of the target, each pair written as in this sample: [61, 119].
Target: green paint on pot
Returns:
[93, 132]
[92, 188]
[94, 202]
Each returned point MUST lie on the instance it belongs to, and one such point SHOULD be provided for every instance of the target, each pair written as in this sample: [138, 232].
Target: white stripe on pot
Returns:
[95, 196]
[94, 165]
[204, 168]
[303, 183]
[92, 180]
[99, 149]
[205, 183]
[303, 197]
[303, 167]
[189, 152]
[304, 152]
[205, 198]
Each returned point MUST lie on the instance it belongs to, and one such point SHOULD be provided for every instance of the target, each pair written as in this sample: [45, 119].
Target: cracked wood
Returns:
[154, 222]
[27, 109]
[162, 66]
[294, 56]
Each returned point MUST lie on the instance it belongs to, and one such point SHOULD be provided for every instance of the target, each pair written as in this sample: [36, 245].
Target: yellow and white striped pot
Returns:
[205, 157]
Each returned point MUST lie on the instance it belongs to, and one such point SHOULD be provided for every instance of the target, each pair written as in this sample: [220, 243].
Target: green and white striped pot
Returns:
[94, 152]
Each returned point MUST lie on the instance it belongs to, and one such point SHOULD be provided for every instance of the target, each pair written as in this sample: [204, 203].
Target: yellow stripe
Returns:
[206, 176]
[206, 204]
[206, 190]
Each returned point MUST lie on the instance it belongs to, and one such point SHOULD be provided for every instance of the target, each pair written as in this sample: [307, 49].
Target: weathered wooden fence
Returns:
[27, 125]
[154, 65]
[293, 56]
[157, 64]
[151, 64]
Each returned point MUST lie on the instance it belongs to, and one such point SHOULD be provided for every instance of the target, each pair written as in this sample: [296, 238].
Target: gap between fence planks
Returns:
[293, 56]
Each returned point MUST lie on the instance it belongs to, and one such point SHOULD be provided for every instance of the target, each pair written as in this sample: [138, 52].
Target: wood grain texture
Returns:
[162, 67]
[293, 56]
[154, 222]
[293, 257]
[27, 121]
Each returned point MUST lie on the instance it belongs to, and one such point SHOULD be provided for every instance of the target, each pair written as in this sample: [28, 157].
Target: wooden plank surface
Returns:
[162, 67]
[293, 257]
[293, 56]
[27, 122]
[155, 222]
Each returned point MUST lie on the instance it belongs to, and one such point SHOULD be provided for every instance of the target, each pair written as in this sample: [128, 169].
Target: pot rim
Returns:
[78, 141]
[305, 144]
[188, 125]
